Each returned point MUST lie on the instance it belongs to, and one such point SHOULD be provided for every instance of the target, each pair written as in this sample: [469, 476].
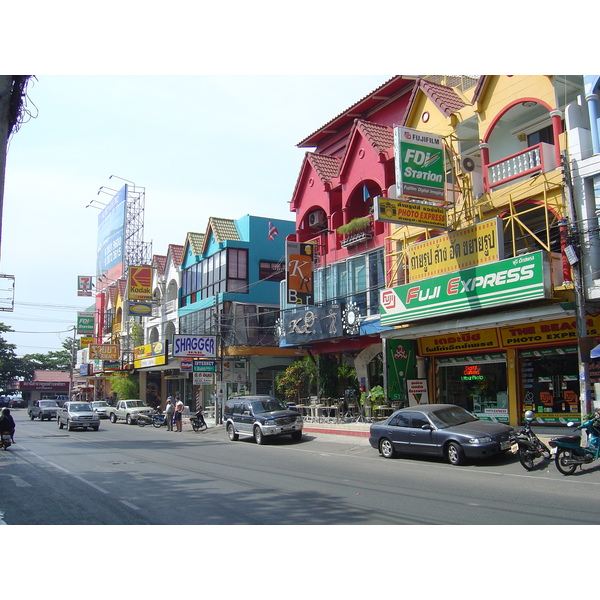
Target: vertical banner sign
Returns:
[84, 285]
[299, 273]
[85, 323]
[111, 238]
[401, 364]
[139, 283]
[419, 164]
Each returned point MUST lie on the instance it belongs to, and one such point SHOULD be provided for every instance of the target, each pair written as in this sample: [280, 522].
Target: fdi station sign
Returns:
[518, 279]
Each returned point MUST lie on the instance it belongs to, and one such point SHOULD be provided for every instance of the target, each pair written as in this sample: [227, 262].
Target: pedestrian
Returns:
[169, 410]
[7, 423]
[178, 415]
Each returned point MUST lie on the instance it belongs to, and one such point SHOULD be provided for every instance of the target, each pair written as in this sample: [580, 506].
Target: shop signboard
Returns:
[467, 341]
[313, 323]
[520, 279]
[84, 285]
[140, 309]
[194, 346]
[547, 333]
[454, 251]
[139, 283]
[150, 355]
[199, 378]
[85, 323]
[104, 352]
[409, 213]
[234, 371]
[417, 391]
[420, 169]
[401, 363]
[85, 341]
[204, 366]
[299, 272]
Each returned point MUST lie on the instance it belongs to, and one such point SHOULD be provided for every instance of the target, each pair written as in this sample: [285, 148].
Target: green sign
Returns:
[85, 323]
[420, 170]
[204, 366]
[518, 279]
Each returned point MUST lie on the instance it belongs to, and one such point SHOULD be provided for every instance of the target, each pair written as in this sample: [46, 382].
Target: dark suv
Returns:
[261, 417]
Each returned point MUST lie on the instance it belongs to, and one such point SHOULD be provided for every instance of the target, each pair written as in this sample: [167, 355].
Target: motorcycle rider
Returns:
[7, 423]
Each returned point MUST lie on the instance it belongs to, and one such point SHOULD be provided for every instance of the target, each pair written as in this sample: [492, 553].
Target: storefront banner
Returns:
[194, 346]
[419, 161]
[401, 363]
[299, 272]
[150, 355]
[480, 244]
[104, 352]
[468, 341]
[519, 279]
[547, 332]
[311, 324]
[234, 371]
[410, 213]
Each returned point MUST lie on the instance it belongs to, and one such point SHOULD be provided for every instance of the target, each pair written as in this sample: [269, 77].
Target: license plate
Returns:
[505, 445]
[514, 448]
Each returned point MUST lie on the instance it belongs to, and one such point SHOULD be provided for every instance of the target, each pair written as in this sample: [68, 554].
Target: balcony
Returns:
[537, 159]
[356, 231]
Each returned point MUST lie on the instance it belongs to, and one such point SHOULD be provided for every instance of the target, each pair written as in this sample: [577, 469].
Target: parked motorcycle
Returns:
[5, 440]
[530, 446]
[198, 421]
[570, 454]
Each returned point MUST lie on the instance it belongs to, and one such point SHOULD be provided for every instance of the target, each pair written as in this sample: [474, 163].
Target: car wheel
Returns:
[297, 436]
[113, 418]
[233, 436]
[96, 428]
[386, 448]
[259, 438]
[455, 454]
[41, 417]
[60, 423]
[69, 425]
[31, 416]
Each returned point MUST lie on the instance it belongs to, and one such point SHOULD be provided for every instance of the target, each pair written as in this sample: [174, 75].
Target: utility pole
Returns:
[72, 364]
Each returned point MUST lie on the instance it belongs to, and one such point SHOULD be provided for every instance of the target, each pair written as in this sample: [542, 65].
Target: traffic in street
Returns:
[129, 475]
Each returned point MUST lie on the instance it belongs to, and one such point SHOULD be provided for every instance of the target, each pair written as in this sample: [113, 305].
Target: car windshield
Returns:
[133, 403]
[267, 405]
[80, 406]
[48, 403]
[447, 417]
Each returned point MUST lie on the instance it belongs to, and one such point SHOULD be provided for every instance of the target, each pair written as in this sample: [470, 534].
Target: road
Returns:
[128, 475]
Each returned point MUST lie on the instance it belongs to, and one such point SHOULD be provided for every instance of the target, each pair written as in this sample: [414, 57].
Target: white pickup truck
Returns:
[128, 410]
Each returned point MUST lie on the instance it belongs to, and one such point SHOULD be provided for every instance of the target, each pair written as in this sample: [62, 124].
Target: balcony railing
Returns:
[362, 233]
[536, 159]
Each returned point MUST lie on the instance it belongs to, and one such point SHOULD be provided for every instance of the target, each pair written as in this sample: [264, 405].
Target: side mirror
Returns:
[426, 427]
[571, 424]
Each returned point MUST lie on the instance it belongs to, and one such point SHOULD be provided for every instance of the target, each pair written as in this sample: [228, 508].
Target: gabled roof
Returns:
[326, 167]
[195, 241]
[112, 293]
[176, 252]
[159, 262]
[222, 230]
[445, 98]
[122, 287]
[380, 136]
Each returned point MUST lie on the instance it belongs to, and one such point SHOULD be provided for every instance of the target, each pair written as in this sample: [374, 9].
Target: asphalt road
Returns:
[128, 475]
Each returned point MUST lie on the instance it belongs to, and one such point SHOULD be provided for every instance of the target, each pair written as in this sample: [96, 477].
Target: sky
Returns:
[200, 145]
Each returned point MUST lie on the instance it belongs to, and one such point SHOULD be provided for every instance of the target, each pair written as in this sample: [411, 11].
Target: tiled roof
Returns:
[327, 167]
[40, 375]
[159, 262]
[445, 98]
[196, 242]
[112, 293]
[223, 229]
[176, 251]
[380, 136]
[122, 286]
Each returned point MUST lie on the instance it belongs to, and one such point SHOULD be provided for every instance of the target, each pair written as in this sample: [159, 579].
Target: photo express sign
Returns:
[194, 346]
[519, 279]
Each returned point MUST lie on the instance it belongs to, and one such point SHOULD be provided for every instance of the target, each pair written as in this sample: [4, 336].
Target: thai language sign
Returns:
[477, 245]
[199, 346]
[104, 352]
[467, 341]
[410, 213]
[510, 281]
[419, 164]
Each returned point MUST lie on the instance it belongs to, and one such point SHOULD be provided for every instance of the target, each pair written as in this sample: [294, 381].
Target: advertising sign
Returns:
[139, 283]
[410, 213]
[199, 378]
[190, 346]
[111, 238]
[519, 279]
[299, 273]
[85, 341]
[477, 245]
[104, 352]
[401, 363]
[467, 341]
[85, 323]
[150, 355]
[314, 323]
[417, 391]
[140, 309]
[84, 285]
[204, 366]
[420, 166]
[234, 371]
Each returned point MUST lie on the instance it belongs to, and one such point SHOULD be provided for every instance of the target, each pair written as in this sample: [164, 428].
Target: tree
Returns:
[55, 360]
[125, 386]
[11, 367]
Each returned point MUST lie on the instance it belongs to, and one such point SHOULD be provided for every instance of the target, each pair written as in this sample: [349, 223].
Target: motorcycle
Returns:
[198, 421]
[570, 454]
[530, 446]
[157, 419]
[5, 440]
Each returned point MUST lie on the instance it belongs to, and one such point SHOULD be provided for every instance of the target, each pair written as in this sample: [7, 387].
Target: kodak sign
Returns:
[139, 283]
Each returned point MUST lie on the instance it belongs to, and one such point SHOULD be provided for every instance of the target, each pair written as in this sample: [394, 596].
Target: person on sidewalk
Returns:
[178, 416]
[169, 410]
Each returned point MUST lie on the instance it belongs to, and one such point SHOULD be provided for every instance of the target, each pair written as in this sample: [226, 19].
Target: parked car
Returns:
[443, 430]
[18, 402]
[261, 417]
[77, 414]
[128, 410]
[5, 401]
[100, 408]
[43, 409]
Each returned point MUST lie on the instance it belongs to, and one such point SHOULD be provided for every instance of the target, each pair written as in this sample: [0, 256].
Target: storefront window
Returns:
[478, 386]
[550, 385]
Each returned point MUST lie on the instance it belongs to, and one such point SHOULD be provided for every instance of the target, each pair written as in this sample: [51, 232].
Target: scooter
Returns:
[198, 421]
[570, 454]
[530, 446]
[5, 440]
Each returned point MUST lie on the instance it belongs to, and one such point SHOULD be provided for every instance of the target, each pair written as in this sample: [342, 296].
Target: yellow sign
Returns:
[140, 283]
[104, 352]
[547, 332]
[468, 341]
[410, 213]
[456, 250]
[85, 341]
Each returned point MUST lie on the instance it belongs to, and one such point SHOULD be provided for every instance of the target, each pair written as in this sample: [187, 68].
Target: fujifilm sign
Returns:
[519, 279]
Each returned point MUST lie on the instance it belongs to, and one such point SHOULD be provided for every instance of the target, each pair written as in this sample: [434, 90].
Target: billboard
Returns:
[111, 238]
[420, 169]
[139, 283]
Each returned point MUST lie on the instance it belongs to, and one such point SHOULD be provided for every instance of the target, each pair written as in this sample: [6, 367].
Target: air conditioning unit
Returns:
[317, 219]
[468, 164]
